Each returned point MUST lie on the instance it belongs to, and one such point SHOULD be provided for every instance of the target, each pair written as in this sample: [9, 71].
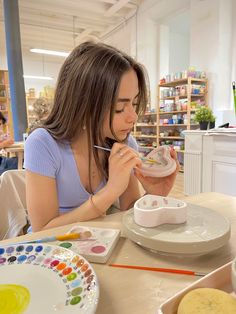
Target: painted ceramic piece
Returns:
[165, 164]
[42, 278]
[204, 231]
[153, 210]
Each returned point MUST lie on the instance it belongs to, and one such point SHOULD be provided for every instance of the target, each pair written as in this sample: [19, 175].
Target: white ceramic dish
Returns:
[165, 164]
[218, 279]
[42, 278]
[204, 231]
[153, 210]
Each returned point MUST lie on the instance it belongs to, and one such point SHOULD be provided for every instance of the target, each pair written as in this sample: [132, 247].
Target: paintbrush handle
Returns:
[142, 158]
[158, 269]
[69, 236]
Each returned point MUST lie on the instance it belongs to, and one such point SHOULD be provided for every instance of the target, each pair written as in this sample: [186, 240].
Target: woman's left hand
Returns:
[159, 186]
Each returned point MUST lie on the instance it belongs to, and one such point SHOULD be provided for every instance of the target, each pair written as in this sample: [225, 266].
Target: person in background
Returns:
[99, 94]
[5, 141]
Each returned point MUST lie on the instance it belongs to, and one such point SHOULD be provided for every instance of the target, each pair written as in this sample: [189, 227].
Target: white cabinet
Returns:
[210, 162]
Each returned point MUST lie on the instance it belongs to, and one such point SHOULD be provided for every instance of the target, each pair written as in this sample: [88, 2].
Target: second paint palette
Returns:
[98, 247]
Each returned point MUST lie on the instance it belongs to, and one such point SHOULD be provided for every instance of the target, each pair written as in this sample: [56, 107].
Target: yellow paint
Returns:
[14, 299]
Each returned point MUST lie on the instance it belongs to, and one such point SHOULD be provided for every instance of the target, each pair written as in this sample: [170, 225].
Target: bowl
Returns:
[159, 163]
[152, 211]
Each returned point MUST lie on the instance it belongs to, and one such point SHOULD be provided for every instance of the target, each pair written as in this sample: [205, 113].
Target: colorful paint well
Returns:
[20, 265]
[96, 249]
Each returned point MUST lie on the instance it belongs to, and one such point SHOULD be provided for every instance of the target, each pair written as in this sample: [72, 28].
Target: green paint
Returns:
[75, 300]
[76, 291]
[71, 276]
[66, 245]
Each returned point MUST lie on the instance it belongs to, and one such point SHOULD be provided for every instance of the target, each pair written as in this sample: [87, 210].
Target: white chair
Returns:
[12, 203]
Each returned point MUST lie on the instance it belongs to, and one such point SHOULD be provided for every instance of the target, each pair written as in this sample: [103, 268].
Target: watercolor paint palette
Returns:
[43, 278]
[98, 247]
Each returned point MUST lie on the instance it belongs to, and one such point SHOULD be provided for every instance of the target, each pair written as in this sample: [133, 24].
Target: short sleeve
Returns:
[41, 153]
[132, 143]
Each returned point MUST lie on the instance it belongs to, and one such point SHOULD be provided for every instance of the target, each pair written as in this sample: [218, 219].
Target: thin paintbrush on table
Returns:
[159, 269]
[142, 158]
[64, 237]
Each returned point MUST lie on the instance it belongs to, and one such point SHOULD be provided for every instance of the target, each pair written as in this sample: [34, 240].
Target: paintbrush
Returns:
[158, 269]
[142, 158]
[64, 237]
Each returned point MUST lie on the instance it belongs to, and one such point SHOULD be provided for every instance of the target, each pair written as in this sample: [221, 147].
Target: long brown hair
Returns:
[87, 89]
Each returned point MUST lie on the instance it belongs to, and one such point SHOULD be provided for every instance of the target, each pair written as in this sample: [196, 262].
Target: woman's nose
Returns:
[132, 115]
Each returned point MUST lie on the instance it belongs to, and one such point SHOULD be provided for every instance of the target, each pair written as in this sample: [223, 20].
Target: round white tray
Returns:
[204, 231]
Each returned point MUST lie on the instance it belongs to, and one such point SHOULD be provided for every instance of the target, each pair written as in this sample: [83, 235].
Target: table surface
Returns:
[15, 146]
[137, 291]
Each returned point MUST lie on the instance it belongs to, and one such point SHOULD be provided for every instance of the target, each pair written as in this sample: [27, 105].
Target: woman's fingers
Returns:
[122, 153]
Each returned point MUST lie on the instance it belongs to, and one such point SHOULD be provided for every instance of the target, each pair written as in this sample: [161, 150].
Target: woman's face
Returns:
[125, 115]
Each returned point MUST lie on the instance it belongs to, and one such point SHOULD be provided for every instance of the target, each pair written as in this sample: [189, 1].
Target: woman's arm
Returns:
[43, 208]
[42, 198]
[6, 143]
[130, 196]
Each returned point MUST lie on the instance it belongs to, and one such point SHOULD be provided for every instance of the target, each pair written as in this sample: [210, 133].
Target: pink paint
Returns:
[98, 249]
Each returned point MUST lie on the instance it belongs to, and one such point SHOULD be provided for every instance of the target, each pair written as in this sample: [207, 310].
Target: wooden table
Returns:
[16, 149]
[126, 291]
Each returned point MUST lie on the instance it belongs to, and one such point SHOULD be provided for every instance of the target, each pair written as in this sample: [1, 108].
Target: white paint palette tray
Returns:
[97, 248]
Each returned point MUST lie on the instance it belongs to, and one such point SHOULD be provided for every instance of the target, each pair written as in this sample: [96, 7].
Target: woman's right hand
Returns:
[123, 159]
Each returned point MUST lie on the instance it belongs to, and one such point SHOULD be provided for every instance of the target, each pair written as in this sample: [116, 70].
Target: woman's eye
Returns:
[119, 110]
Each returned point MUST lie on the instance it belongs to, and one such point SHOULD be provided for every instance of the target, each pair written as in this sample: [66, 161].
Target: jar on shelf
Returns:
[184, 106]
[178, 105]
[175, 119]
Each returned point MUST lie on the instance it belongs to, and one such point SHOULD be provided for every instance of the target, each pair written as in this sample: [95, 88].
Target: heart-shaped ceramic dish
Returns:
[153, 210]
[158, 163]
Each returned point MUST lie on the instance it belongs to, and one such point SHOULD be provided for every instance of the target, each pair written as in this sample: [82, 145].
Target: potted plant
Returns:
[204, 116]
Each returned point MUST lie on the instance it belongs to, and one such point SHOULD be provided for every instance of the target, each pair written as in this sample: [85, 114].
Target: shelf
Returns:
[6, 101]
[161, 125]
[171, 112]
[145, 136]
[183, 82]
[146, 125]
[171, 138]
[149, 113]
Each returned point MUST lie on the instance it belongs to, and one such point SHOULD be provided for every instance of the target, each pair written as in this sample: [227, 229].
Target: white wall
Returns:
[179, 52]
[211, 49]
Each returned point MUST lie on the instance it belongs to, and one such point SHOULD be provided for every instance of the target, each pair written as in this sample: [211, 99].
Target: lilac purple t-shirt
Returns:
[48, 157]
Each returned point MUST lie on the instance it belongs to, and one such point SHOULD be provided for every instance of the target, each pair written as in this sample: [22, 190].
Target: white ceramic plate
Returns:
[41, 278]
[204, 231]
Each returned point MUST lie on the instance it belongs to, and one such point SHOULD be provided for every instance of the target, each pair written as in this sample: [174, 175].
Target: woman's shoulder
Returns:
[39, 139]
[39, 133]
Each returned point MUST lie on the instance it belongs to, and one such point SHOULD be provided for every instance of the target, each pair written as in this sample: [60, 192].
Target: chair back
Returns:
[12, 203]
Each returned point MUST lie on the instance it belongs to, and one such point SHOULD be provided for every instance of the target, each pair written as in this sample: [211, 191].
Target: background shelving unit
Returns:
[47, 94]
[145, 132]
[5, 102]
[177, 102]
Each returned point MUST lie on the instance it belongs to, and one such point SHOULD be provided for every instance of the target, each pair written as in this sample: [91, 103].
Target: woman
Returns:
[99, 93]
[5, 141]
